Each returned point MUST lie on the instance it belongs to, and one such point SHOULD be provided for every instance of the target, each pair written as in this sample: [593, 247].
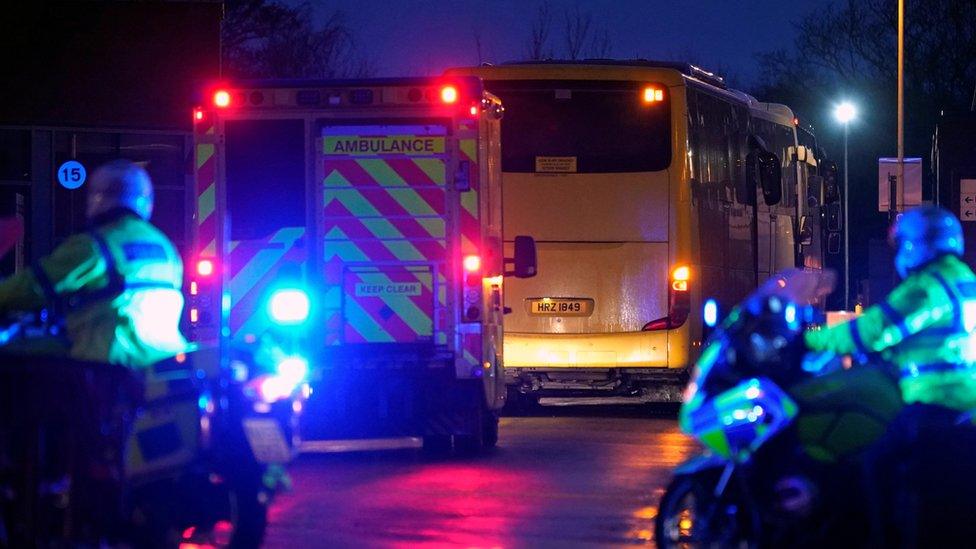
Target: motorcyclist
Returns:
[116, 285]
[924, 329]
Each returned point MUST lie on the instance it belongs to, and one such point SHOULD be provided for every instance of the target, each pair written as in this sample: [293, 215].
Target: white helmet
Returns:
[120, 184]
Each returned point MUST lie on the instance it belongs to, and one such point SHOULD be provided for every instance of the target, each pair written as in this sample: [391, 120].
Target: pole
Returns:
[847, 251]
[901, 105]
[892, 214]
[892, 197]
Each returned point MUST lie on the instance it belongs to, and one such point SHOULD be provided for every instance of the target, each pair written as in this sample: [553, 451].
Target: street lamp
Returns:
[844, 113]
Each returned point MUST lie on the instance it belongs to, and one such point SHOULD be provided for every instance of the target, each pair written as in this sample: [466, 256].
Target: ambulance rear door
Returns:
[264, 167]
[384, 224]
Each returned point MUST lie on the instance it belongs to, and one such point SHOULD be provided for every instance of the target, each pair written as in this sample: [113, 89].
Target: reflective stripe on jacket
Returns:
[119, 290]
[924, 327]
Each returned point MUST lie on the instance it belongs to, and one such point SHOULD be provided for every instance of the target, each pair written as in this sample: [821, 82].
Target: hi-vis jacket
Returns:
[924, 327]
[118, 286]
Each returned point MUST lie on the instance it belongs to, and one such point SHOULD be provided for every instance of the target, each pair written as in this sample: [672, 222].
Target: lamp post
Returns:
[844, 113]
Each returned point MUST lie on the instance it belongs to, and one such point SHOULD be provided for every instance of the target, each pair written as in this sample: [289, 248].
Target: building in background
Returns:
[91, 82]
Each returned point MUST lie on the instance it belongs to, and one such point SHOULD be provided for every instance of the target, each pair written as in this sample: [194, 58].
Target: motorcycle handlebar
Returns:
[21, 325]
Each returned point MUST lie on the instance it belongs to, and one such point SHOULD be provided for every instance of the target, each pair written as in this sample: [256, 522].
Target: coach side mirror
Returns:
[770, 178]
[752, 177]
[835, 221]
[524, 262]
[496, 111]
[763, 169]
[814, 191]
[833, 243]
[742, 191]
[828, 170]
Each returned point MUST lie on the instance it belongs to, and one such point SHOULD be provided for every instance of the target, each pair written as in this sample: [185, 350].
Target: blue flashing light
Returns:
[710, 313]
[790, 313]
[271, 389]
[294, 369]
[290, 373]
[289, 306]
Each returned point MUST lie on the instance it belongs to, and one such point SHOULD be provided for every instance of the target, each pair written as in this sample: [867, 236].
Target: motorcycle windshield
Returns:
[798, 286]
[721, 376]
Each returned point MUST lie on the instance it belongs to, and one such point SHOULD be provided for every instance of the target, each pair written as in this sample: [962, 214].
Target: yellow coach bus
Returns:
[648, 187]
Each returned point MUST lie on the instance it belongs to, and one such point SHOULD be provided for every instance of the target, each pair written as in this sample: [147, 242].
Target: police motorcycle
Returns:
[190, 451]
[783, 430]
[95, 453]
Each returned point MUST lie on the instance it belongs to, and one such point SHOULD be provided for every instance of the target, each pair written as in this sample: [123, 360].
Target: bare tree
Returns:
[855, 44]
[268, 39]
[601, 46]
[538, 43]
[478, 45]
[580, 37]
[578, 26]
[848, 50]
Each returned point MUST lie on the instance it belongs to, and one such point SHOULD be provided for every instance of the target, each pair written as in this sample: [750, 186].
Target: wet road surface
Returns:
[579, 478]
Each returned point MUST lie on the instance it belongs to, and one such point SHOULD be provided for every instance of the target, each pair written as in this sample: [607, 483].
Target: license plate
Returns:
[266, 440]
[555, 306]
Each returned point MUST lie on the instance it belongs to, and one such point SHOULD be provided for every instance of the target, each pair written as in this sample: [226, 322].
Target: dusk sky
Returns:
[424, 37]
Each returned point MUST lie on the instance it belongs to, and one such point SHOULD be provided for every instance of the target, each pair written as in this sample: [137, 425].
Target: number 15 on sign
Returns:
[72, 174]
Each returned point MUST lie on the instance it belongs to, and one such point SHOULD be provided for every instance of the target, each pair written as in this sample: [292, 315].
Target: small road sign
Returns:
[72, 174]
[967, 199]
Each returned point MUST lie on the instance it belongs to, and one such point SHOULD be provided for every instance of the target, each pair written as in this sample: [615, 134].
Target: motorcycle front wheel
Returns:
[690, 516]
[231, 516]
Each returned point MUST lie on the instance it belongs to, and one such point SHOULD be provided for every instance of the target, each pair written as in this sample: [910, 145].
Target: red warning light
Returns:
[198, 114]
[449, 94]
[221, 98]
[472, 263]
[474, 110]
[205, 267]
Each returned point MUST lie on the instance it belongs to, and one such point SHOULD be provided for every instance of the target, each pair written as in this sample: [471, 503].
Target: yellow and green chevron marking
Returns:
[384, 191]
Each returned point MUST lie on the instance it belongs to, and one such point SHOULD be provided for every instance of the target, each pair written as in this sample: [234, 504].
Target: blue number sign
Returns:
[72, 174]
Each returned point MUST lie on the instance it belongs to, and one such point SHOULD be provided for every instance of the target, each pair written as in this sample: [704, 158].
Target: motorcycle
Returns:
[190, 451]
[783, 429]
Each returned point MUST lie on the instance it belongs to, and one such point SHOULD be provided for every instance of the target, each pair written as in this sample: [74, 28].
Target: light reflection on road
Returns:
[554, 481]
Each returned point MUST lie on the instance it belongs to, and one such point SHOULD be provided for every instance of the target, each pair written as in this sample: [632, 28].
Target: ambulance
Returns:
[352, 230]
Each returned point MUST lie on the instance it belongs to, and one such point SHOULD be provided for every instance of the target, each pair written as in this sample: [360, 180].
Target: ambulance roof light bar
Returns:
[449, 94]
[221, 98]
[286, 94]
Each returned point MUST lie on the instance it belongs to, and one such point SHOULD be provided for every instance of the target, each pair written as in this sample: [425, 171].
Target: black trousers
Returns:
[921, 480]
